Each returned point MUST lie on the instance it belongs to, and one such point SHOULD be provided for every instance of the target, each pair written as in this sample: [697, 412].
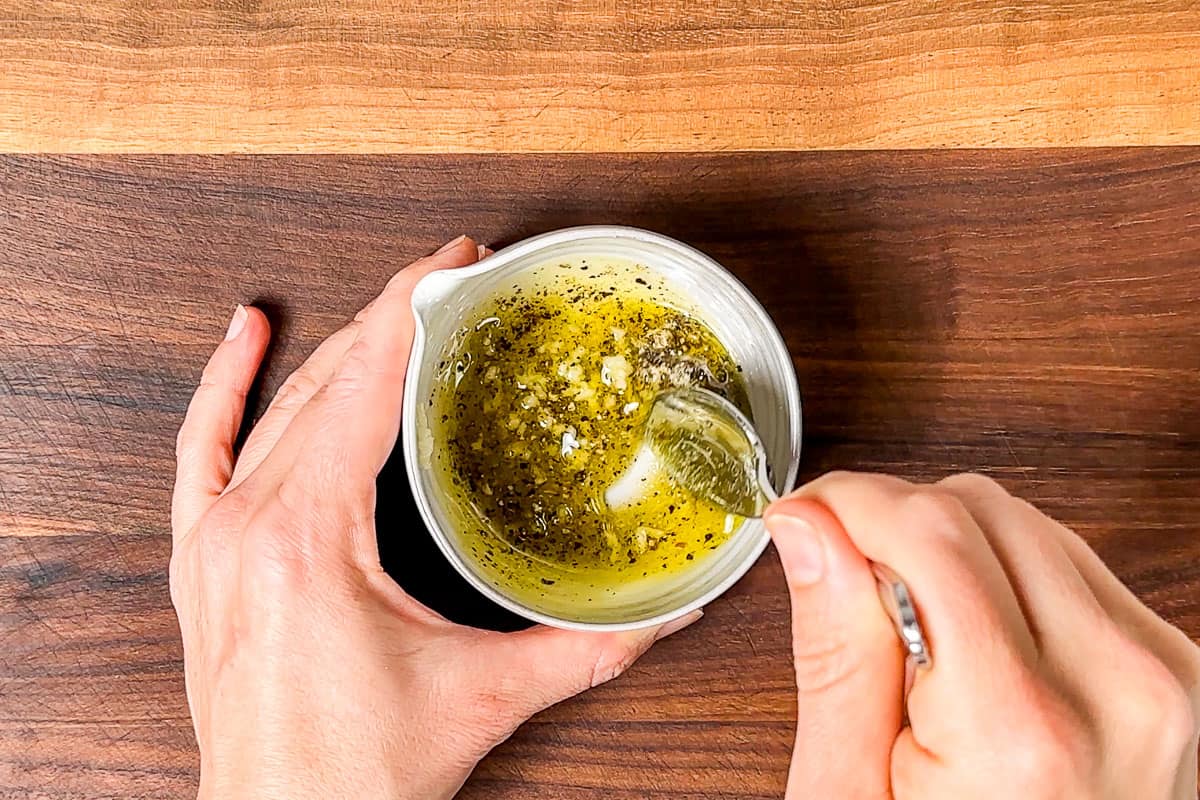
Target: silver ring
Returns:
[897, 600]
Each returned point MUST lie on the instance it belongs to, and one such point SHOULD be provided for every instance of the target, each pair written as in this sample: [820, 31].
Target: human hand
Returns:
[310, 673]
[1049, 678]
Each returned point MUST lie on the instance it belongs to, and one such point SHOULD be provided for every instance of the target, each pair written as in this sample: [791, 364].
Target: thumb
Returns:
[555, 664]
[849, 665]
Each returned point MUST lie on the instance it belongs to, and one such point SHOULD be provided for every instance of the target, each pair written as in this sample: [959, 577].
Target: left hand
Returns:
[310, 673]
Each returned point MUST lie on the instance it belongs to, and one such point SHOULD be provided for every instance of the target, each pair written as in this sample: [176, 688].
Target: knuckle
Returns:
[210, 393]
[877, 480]
[353, 373]
[189, 434]
[406, 279]
[210, 548]
[181, 441]
[229, 514]
[798, 588]
[1178, 723]
[936, 511]
[610, 663]
[846, 486]
[178, 568]
[823, 665]
[849, 479]
[1157, 703]
[972, 483]
[220, 384]
[1039, 766]
[358, 358]
[291, 544]
[291, 503]
[275, 557]
[210, 375]
[297, 389]
[1049, 751]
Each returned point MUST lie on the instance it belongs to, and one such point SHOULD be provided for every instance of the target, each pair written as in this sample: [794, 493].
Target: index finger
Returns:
[346, 431]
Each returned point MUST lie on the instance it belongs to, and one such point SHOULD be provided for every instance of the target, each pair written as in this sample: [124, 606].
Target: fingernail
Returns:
[237, 323]
[800, 548]
[482, 251]
[676, 625]
[450, 245]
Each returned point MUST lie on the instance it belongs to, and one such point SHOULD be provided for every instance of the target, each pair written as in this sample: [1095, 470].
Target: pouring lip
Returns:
[446, 279]
[409, 428]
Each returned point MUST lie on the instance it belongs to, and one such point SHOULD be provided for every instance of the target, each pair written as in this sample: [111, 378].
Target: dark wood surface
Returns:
[1033, 315]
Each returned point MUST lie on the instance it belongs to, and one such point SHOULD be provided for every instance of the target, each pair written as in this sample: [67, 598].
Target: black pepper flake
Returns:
[532, 326]
[547, 581]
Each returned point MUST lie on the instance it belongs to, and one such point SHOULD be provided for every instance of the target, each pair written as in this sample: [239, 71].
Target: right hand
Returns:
[1049, 678]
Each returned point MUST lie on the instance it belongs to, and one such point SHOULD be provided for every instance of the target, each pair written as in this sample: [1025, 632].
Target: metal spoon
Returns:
[710, 448]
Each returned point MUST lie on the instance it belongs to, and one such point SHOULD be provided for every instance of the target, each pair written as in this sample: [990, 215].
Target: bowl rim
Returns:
[498, 260]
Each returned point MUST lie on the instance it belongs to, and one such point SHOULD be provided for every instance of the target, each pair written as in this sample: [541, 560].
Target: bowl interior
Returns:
[445, 301]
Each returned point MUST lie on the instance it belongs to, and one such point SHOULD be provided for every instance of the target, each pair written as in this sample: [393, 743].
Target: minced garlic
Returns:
[547, 389]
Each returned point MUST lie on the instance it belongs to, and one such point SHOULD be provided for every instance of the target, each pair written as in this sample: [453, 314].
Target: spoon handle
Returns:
[897, 601]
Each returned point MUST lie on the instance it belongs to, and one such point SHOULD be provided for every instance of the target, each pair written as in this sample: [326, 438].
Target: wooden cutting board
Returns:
[594, 75]
[1029, 314]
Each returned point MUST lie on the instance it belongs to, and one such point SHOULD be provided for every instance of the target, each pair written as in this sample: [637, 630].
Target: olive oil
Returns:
[538, 426]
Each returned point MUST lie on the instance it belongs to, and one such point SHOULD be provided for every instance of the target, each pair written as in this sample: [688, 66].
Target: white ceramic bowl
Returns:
[444, 301]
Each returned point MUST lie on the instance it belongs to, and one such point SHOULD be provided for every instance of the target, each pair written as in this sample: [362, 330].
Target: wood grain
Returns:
[1029, 314]
[546, 75]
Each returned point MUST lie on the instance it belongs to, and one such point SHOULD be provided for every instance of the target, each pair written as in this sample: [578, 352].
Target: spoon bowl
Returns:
[708, 446]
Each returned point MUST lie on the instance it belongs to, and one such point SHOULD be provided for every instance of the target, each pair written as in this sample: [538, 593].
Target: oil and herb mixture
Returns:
[541, 401]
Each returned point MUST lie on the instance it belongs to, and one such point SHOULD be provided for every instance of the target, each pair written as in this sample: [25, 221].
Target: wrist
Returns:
[254, 775]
